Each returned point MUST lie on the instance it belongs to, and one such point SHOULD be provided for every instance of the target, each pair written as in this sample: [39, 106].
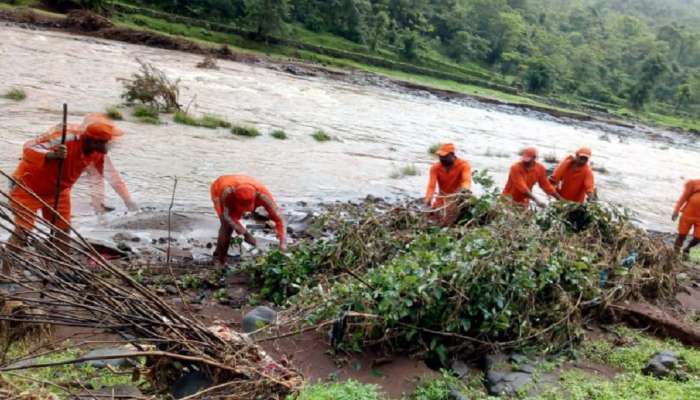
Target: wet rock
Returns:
[7, 289]
[125, 237]
[190, 384]
[124, 247]
[171, 289]
[459, 368]
[661, 364]
[507, 384]
[109, 352]
[258, 318]
[112, 392]
[261, 214]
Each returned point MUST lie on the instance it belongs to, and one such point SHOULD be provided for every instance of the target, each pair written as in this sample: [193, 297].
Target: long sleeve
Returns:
[680, 204]
[275, 214]
[466, 177]
[559, 171]
[115, 179]
[432, 184]
[544, 182]
[589, 181]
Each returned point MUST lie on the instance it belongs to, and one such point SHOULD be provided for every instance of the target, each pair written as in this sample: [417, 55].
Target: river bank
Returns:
[177, 36]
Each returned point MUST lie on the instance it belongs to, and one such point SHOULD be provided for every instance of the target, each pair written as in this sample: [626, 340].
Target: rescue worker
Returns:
[85, 149]
[523, 176]
[688, 208]
[451, 175]
[573, 178]
[234, 195]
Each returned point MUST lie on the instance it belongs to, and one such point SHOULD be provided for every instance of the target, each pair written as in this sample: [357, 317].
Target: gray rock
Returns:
[455, 394]
[190, 384]
[258, 318]
[109, 352]
[507, 384]
[527, 368]
[459, 368]
[171, 289]
[661, 364]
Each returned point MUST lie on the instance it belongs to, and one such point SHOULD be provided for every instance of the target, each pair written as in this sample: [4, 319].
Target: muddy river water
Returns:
[378, 131]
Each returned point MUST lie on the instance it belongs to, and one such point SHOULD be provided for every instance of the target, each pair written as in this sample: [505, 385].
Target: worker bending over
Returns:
[234, 195]
[85, 150]
[688, 208]
[523, 176]
[573, 178]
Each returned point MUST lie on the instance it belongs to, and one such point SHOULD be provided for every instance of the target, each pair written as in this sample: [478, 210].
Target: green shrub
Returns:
[207, 121]
[182, 117]
[15, 94]
[248, 131]
[348, 390]
[146, 114]
[114, 113]
[321, 136]
[279, 134]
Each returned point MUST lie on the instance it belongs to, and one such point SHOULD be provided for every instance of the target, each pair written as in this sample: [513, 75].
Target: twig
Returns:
[170, 214]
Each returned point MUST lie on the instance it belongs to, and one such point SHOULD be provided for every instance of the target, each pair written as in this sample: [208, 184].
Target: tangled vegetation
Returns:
[150, 86]
[500, 276]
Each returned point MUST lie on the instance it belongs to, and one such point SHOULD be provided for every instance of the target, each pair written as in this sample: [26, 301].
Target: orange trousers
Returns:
[686, 223]
[25, 206]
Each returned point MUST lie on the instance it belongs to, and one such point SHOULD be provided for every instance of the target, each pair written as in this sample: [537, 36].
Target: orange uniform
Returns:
[689, 205]
[521, 181]
[40, 174]
[224, 196]
[573, 182]
[458, 177]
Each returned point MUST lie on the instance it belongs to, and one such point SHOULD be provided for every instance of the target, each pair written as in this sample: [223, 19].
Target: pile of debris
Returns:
[501, 277]
[79, 288]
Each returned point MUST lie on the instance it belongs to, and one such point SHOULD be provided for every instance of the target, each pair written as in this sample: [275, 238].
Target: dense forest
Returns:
[622, 52]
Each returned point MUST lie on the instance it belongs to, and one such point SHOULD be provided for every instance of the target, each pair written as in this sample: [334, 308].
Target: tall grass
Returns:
[321, 136]
[15, 94]
[247, 131]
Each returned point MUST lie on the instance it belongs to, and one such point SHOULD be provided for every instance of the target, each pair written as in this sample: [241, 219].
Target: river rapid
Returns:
[377, 130]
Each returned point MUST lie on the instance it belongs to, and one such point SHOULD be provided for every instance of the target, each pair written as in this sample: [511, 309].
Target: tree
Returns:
[267, 16]
[539, 75]
[652, 69]
[467, 45]
[412, 45]
[377, 26]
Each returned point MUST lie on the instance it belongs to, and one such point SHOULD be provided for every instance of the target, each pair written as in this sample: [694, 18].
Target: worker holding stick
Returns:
[450, 176]
[50, 166]
[523, 176]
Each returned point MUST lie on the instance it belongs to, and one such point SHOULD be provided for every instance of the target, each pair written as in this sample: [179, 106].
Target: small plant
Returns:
[221, 295]
[408, 170]
[190, 281]
[248, 131]
[146, 114]
[279, 134]
[550, 158]
[182, 117]
[321, 136]
[114, 113]
[209, 62]
[150, 86]
[432, 150]
[15, 94]
[214, 121]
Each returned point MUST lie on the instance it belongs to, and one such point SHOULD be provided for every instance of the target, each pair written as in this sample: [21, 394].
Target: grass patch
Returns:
[67, 375]
[15, 94]
[207, 121]
[146, 114]
[247, 131]
[348, 390]
[321, 136]
[279, 134]
[114, 113]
